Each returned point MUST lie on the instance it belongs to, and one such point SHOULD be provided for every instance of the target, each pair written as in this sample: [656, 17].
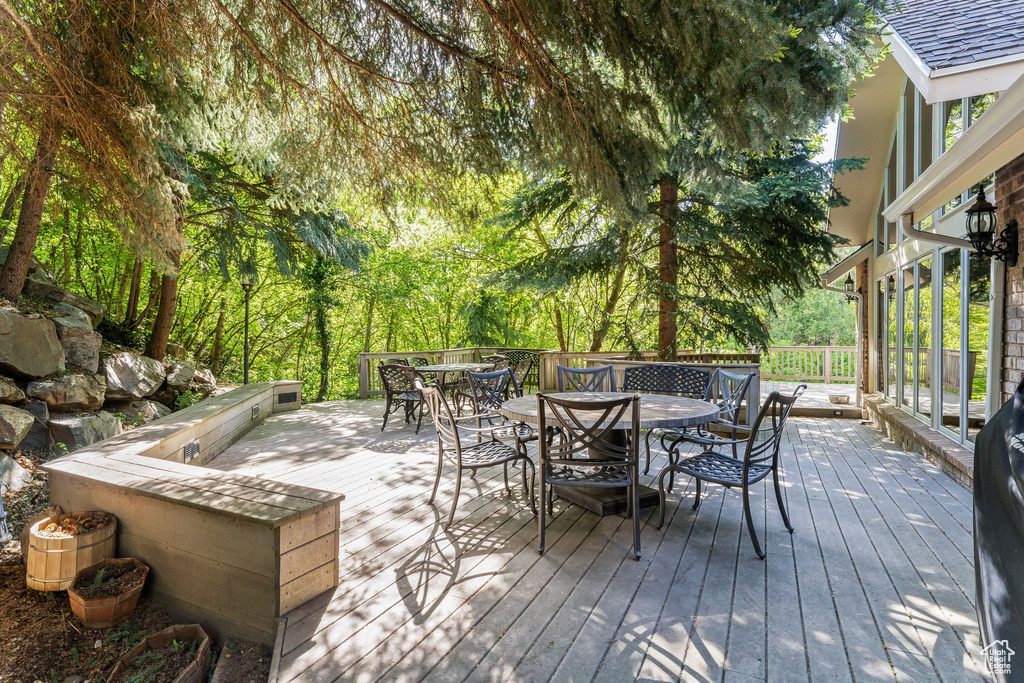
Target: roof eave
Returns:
[962, 80]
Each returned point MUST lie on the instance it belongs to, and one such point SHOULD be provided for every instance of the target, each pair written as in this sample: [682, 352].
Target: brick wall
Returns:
[1010, 200]
[864, 287]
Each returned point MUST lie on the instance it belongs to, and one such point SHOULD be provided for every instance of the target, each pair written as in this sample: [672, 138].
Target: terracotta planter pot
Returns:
[104, 612]
[196, 670]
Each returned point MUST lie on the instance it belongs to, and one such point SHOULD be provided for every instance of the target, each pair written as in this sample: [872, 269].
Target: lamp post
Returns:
[248, 280]
[981, 231]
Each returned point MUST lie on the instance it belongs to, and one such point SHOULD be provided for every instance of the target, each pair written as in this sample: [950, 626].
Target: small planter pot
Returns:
[106, 610]
[194, 672]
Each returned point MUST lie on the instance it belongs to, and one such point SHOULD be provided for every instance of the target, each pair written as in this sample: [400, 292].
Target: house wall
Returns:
[1009, 197]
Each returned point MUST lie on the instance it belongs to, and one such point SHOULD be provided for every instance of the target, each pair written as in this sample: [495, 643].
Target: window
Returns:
[979, 290]
[950, 334]
[954, 123]
[880, 335]
[890, 337]
[979, 105]
[923, 339]
[909, 311]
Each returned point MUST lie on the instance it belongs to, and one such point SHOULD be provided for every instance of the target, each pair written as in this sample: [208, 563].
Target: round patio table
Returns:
[656, 411]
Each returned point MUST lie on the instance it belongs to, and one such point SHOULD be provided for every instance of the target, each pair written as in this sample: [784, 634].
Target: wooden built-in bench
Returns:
[230, 551]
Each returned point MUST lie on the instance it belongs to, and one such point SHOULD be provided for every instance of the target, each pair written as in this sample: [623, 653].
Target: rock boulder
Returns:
[53, 295]
[38, 437]
[14, 425]
[81, 345]
[204, 376]
[29, 346]
[9, 392]
[77, 431]
[70, 393]
[12, 475]
[139, 412]
[179, 376]
[130, 376]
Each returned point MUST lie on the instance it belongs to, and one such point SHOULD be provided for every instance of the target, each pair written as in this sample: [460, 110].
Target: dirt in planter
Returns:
[42, 641]
[160, 665]
[243, 662]
[109, 580]
[72, 525]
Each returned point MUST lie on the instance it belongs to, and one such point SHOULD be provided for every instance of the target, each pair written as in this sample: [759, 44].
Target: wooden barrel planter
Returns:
[162, 642]
[54, 557]
[101, 606]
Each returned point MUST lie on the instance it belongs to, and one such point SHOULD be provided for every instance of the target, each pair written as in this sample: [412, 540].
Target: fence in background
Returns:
[826, 364]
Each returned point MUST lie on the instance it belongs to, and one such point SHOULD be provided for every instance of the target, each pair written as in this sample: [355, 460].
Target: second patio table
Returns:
[443, 369]
[656, 411]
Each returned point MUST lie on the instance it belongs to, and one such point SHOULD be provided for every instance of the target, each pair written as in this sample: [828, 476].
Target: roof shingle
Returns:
[945, 33]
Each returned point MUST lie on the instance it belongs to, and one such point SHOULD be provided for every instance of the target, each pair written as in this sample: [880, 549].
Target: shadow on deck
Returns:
[876, 583]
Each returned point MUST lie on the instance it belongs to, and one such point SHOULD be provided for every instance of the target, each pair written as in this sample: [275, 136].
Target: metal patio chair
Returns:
[590, 455]
[394, 361]
[532, 379]
[419, 362]
[601, 378]
[675, 380]
[728, 390]
[495, 445]
[760, 458]
[400, 392]
[492, 359]
[521, 374]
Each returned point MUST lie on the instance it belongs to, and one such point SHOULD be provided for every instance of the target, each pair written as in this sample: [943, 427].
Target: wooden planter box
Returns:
[52, 563]
[195, 672]
[107, 611]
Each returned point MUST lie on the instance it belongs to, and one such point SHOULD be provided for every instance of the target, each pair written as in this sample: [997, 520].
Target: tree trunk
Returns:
[560, 329]
[154, 298]
[369, 324]
[218, 339]
[19, 258]
[667, 271]
[612, 302]
[8, 211]
[324, 341]
[133, 292]
[156, 348]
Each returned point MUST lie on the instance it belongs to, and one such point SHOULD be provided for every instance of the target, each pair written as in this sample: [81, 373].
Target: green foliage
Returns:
[819, 317]
[98, 580]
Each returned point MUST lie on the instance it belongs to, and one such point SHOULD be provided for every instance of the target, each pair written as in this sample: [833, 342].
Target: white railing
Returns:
[826, 364]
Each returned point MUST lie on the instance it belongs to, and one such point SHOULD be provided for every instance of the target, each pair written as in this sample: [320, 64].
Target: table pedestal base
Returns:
[604, 500]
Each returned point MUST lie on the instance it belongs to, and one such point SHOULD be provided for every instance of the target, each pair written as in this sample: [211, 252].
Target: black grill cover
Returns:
[999, 531]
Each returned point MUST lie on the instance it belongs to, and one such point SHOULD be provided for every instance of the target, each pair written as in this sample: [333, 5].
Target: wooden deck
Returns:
[877, 583]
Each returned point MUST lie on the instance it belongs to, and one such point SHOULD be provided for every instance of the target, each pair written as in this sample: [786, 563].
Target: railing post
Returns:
[364, 376]
[828, 365]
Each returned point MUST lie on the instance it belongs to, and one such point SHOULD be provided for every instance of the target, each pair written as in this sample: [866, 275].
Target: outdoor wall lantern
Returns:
[850, 287]
[981, 231]
[891, 283]
[247, 279]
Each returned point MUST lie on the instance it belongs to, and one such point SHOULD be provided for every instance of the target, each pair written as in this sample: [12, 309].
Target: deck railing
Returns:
[826, 364]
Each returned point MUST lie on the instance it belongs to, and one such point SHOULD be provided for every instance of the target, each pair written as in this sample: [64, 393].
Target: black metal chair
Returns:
[590, 452]
[521, 374]
[394, 361]
[728, 390]
[532, 378]
[675, 380]
[760, 458]
[492, 359]
[419, 362]
[399, 383]
[493, 447]
[601, 378]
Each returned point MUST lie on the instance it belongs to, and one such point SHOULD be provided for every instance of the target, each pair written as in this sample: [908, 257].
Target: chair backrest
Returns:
[418, 361]
[493, 358]
[394, 361]
[728, 389]
[520, 374]
[444, 421]
[766, 433]
[601, 378]
[500, 365]
[397, 379]
[677, 380]
[490, 389]
[517, 355]
[585, 428]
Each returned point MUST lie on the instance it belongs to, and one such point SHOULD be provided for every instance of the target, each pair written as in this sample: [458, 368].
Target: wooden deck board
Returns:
[876, 583]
